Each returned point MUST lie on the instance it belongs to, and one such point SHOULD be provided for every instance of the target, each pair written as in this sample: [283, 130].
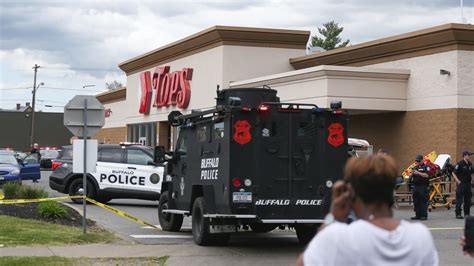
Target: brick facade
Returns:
[406, 134]
[112, 135]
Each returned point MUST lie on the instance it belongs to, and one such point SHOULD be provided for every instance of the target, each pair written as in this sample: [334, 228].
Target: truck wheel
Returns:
[74, 187]
[168, 221]
[306, 232]
[200, 226]
[263, 228]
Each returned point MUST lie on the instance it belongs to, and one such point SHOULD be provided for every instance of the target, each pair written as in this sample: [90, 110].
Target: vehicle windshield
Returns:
[65, 153]
[7, 158]
[49, 153]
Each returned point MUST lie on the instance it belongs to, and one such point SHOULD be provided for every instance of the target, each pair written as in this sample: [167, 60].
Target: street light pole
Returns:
[32, 132]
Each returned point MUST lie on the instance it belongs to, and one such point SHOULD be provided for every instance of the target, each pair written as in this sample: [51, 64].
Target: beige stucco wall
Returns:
[246, 62]
[357, 88]
[216, 66]
[465, 76]
[207, 73]
[119, 112]
[427, 89]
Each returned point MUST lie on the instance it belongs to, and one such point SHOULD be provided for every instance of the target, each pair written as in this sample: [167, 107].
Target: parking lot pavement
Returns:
[275, 248]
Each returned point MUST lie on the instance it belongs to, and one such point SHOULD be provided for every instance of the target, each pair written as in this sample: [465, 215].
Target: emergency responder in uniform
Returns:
[420, 181]
[462, 175]
[35, 151]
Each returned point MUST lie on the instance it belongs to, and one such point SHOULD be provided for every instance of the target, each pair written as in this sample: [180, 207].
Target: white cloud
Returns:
[70, 38]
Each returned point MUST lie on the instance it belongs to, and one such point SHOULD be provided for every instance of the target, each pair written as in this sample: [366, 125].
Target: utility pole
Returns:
[32, 132]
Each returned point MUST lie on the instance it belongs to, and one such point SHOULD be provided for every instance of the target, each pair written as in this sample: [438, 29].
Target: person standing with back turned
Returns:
[376, 238]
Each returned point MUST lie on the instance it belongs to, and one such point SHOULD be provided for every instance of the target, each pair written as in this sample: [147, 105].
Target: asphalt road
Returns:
[275, 248]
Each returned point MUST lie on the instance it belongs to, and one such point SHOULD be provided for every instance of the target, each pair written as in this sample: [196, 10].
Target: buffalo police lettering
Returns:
[123, 177]
[209, 169]
[280, 202]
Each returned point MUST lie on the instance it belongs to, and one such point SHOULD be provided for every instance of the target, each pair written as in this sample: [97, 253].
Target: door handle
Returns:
[183, 168]
[133, 168]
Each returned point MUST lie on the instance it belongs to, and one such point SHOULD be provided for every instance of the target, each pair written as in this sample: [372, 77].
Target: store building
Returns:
[409, 94]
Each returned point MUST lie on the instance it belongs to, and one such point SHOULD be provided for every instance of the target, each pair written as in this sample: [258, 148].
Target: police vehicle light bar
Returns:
[263, 108]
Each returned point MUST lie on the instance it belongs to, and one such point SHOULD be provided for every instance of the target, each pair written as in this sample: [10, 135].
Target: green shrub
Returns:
[52, 209]
[11, 190]
[29, 192]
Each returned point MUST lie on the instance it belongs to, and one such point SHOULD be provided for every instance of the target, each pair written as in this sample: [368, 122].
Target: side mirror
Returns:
[159, 155]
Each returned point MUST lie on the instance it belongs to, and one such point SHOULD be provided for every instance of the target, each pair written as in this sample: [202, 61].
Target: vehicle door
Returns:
[143, 174]
[30, 168]
[181, 173]
[297, 159]
[111, 168]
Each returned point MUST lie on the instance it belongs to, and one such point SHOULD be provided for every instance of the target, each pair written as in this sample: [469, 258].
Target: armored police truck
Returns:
[252, 162]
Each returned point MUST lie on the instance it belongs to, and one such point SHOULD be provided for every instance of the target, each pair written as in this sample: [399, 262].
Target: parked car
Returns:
[20, 155]
[47, 156]
[123, 171]
[13, 171]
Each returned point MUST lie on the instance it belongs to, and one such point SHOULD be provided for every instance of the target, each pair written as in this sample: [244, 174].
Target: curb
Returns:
[103, 225]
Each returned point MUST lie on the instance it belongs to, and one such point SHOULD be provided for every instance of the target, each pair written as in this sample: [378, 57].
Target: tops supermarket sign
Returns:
[170, 89]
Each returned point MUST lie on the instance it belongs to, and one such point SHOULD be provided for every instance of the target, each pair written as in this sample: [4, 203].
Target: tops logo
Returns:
[170, 88]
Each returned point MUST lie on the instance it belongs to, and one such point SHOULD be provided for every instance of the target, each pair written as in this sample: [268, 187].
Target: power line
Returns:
[66, 89]
[18, 88]
[83, 69]
[5, 100]
[75, 69]
[49, 88]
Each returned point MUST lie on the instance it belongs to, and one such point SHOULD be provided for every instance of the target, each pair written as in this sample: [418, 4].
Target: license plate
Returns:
[223, 228]
[2, 177]
[242, 197]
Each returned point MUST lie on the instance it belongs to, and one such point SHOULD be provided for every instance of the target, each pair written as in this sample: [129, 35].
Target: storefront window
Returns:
[144, 134]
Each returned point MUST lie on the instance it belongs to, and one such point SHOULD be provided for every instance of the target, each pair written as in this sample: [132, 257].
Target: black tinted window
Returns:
[138, 157]
[65, 153]
[110, 155]
[202, 133]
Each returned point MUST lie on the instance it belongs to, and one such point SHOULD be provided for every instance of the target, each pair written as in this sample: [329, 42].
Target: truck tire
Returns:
[168, 221]
[262, 228]
[200, 226]
[306, 232]
[74, 187]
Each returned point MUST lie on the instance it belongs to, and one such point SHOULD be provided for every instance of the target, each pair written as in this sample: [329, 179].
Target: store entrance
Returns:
[144, 133]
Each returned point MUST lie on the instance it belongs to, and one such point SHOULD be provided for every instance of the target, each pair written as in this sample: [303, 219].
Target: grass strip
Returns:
[47, 261]
[26, 232]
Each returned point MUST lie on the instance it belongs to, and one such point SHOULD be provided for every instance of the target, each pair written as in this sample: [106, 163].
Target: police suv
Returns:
[123, 171]
[252, 162]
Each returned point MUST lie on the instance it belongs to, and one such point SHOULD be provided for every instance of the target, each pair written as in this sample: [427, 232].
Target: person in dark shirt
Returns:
[35, 151]
[463, 176]
[420, 179]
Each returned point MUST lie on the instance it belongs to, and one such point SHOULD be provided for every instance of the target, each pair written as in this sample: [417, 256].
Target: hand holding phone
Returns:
[341, 201]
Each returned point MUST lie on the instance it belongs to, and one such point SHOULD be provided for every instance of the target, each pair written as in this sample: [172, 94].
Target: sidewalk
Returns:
[187, 254]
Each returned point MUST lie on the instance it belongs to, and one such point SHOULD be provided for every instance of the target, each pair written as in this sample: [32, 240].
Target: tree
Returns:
[113, 85]
[330, 37]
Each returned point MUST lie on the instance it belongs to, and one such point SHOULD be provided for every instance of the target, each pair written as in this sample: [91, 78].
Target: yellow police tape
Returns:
[13, 201]
[121, 213]
[116, 211]
[1, 196]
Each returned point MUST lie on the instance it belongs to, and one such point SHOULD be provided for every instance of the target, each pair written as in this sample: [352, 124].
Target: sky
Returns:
[79, 44]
